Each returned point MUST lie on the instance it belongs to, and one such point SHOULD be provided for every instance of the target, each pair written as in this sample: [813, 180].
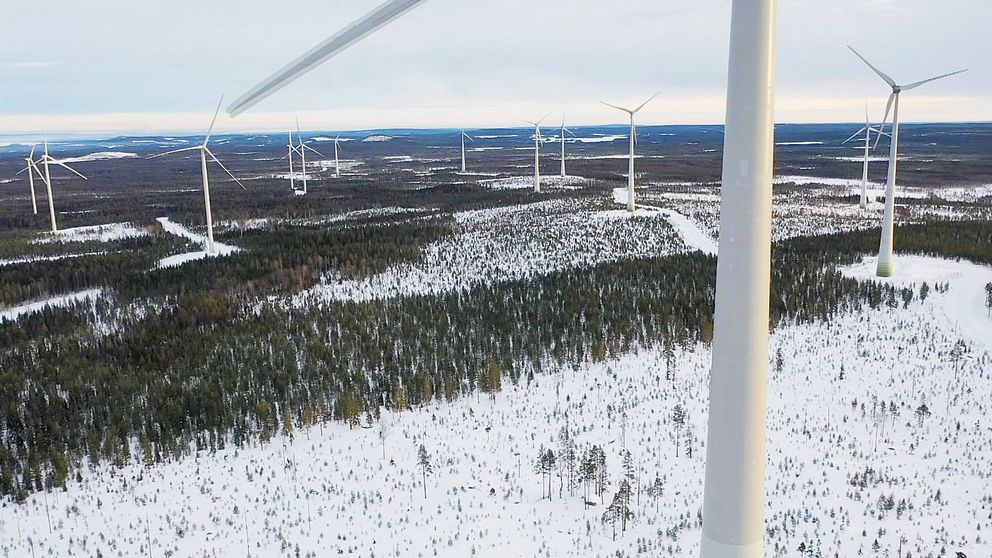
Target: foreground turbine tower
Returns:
[734, 500]
[885, 263]
[337, 162]
[633, 142]
[204, 151]
[868, 129]
[734, 490]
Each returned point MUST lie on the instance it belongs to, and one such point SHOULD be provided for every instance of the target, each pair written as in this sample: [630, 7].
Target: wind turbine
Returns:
[302, 148]
[885, 263]
[633, 141]
[537, 152]
[291, 150]
[734, 495]
[46, 159]
[564, 131]
[29, 165]
[337, 163]
[868, 129]
[204, 151]
[463, 137]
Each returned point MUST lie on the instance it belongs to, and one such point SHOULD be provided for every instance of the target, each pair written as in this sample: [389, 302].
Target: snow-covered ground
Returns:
[833, 453]
[96, 233]
[512, 242]
[174, 228]
[524, 182]
[692, 235]
[29, 259]
[101, 156]
[62, 300]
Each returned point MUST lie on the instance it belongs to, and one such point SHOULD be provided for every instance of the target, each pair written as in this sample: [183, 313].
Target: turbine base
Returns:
[713, 549]
[884, 269]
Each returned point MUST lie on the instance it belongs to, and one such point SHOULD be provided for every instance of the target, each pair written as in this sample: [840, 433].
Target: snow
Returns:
[965, 299]
[174, 228]
[505, 243]
[16, 312]
[600, 139]
[329, 489]
[523, 182]
[29, 259]
[376, 139]
[692, 235]
[96, 233]
[800, 143]
[101, 156]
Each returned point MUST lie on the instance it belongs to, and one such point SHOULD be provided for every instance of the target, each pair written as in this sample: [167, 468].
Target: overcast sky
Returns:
[134, 66]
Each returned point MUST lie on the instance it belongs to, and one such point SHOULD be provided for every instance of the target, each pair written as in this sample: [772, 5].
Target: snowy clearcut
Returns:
[848, 395]
[177, 260]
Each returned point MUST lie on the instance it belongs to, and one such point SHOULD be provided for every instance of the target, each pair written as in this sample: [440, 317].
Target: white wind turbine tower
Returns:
[885, 259]
[204, 151]
[29, 165]
[46, 159]
[633, 141]
[537, 152]
[868, 129]
[463, 137]
[302, 148]
[734, 495]
[564, 131]
[289, 155]
[337, 163]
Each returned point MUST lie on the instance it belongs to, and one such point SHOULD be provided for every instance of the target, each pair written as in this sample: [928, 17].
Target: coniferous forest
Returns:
[230, 361]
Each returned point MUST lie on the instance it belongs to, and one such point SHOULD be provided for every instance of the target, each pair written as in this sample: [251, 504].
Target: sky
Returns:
[116, 66]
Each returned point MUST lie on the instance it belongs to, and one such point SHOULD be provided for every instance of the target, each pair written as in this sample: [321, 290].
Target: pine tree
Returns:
[678, 420]
[424, 461]
[668, 352]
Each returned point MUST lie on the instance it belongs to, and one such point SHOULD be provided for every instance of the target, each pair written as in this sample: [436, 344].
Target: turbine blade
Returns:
[327, 49]
[881, 74]
[31, 156]
[888, 107]
[854, 135]
[867, 121]
[543, 119]
[63, 165]
[27, 167]
[37, 170]
[646, 102]
[216, 160]
[176, 151]
[305, 146]
[919, 83]
[212, 122]
[628, 111]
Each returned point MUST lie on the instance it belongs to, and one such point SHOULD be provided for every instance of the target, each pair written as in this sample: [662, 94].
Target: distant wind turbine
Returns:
[291, 151]
[885, 259]
[633, 140]
[46, 159]
[463, 137]
[302, 148]
[564, 131]
[537, 152]
[204, 151]
[337, 163]
[868, 129]
[28, 167]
